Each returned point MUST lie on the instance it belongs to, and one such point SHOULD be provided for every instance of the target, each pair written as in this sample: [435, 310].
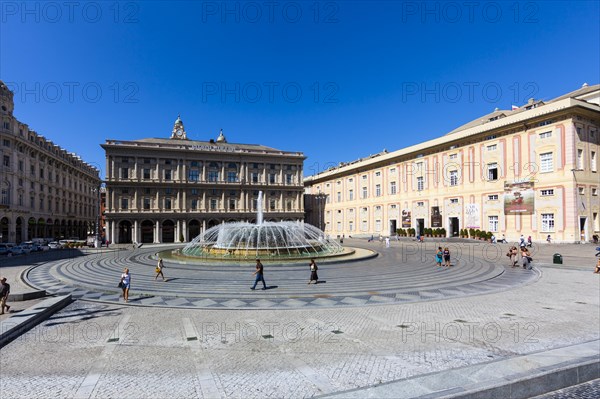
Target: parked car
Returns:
[26, 248]
[16, 250]
[43, 247]
[4, 249]
[54, 245]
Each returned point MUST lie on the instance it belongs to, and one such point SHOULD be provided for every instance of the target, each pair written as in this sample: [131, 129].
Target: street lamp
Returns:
[97, 243]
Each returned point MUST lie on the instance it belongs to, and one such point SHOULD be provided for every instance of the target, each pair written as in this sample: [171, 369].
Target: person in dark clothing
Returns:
[259, 273]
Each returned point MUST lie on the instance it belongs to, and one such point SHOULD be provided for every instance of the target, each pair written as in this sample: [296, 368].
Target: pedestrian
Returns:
[313, 272]
[387, 242]
[549, 239]
[597, 266]
[521, 241]
[503, 240]
[512, 255]
[446, 257]
[529, 242]
[259, 273]
[125, 283]
[159, 268]
[4, 292]
[526, 258]
[438, 256]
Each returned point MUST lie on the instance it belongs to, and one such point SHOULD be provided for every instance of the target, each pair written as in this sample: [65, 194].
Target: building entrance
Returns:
[454, 227]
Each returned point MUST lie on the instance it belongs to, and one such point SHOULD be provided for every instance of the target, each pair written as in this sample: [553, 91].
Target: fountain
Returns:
[280, 240]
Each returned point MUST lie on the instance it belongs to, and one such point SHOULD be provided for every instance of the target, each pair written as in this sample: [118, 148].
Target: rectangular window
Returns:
[364, 192]
[146, 174]
[581, 190]
[272, 178]
[547, 222]
[392, 171]
[194, 175]
[232, 204]
[545, 135]
[289, 178]
[4, 197]
[377, 174]
[350, 226]
[351, 195]
[492, 171]
[454, 200]
[579, 159]
[124, 203]
[454, 177]
[594, 191]
[593, 162]
[168, 204]
[254, 177]
[420, 183]
[6, 161]
[231, 177]
[194, 204]
[493, 223]
[32, 169]
[339, 196]
[168, 174]
[420, 203]
[213, 204]
[453, 156]
[493, 197]
[146, 203]
[547, 192]
[6, 143]
[124, 174]
[273, 203]
[20, 166]
[392, 188]
[378, 190]
[546, 162]
[213, 175]
[492, 147]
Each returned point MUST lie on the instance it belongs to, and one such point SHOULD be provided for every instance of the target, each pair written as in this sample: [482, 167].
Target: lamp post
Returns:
[97, 243]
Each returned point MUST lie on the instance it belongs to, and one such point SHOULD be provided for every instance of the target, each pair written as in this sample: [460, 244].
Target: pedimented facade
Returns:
[162, 190]
[532, 170]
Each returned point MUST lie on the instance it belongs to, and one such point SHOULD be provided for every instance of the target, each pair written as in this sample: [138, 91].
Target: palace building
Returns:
[163, 190]
[45, 190]
[532, 170]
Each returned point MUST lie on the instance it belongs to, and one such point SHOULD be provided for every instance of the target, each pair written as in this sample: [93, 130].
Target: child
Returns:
[438, 256]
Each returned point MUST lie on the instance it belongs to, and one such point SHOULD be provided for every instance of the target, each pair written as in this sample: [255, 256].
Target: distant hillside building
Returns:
[532, 170]
[161, 190]
[45, 190]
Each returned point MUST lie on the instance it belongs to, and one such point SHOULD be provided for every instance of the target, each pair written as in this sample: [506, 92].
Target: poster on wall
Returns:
[436, 217]
[406, 219]
[472, 216]
[518, 198]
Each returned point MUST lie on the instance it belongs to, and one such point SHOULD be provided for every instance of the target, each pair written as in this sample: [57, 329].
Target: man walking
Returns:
[259, 275]
[4, 291]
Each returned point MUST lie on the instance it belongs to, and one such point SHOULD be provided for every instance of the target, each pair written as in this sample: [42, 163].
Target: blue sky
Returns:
[337, 80]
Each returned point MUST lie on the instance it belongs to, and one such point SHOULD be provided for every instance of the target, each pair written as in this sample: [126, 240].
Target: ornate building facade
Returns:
[45, 191]
[161, 190]
[532, 170]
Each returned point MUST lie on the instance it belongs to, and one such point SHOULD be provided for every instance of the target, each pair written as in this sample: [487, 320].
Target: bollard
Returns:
[557, 259]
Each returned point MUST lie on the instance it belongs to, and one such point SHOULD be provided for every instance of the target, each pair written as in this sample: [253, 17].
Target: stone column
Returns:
[136, 231]
[157, 232]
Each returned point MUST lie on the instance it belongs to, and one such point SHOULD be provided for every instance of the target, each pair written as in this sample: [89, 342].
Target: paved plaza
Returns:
[375, 328]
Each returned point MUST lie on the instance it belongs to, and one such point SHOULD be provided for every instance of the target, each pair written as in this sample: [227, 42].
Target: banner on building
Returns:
[406, 219]
[472, 216]
[436, 217]
[519, 198]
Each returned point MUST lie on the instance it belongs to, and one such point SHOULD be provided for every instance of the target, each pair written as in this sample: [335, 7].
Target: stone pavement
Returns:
[97, 349]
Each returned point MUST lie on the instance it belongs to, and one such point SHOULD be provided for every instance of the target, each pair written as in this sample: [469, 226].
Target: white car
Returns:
[54, 245]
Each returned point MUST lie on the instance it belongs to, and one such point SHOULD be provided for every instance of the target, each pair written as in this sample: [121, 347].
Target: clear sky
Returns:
[337, 80]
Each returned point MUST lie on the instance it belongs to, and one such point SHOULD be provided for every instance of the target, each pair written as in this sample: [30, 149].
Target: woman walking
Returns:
[446, 257]
[512, 254]
[313, 272]
[159, 268]
[125, 283]
[526, 258]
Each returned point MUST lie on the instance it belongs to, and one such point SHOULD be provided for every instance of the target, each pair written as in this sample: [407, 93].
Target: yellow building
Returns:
[531, 171]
